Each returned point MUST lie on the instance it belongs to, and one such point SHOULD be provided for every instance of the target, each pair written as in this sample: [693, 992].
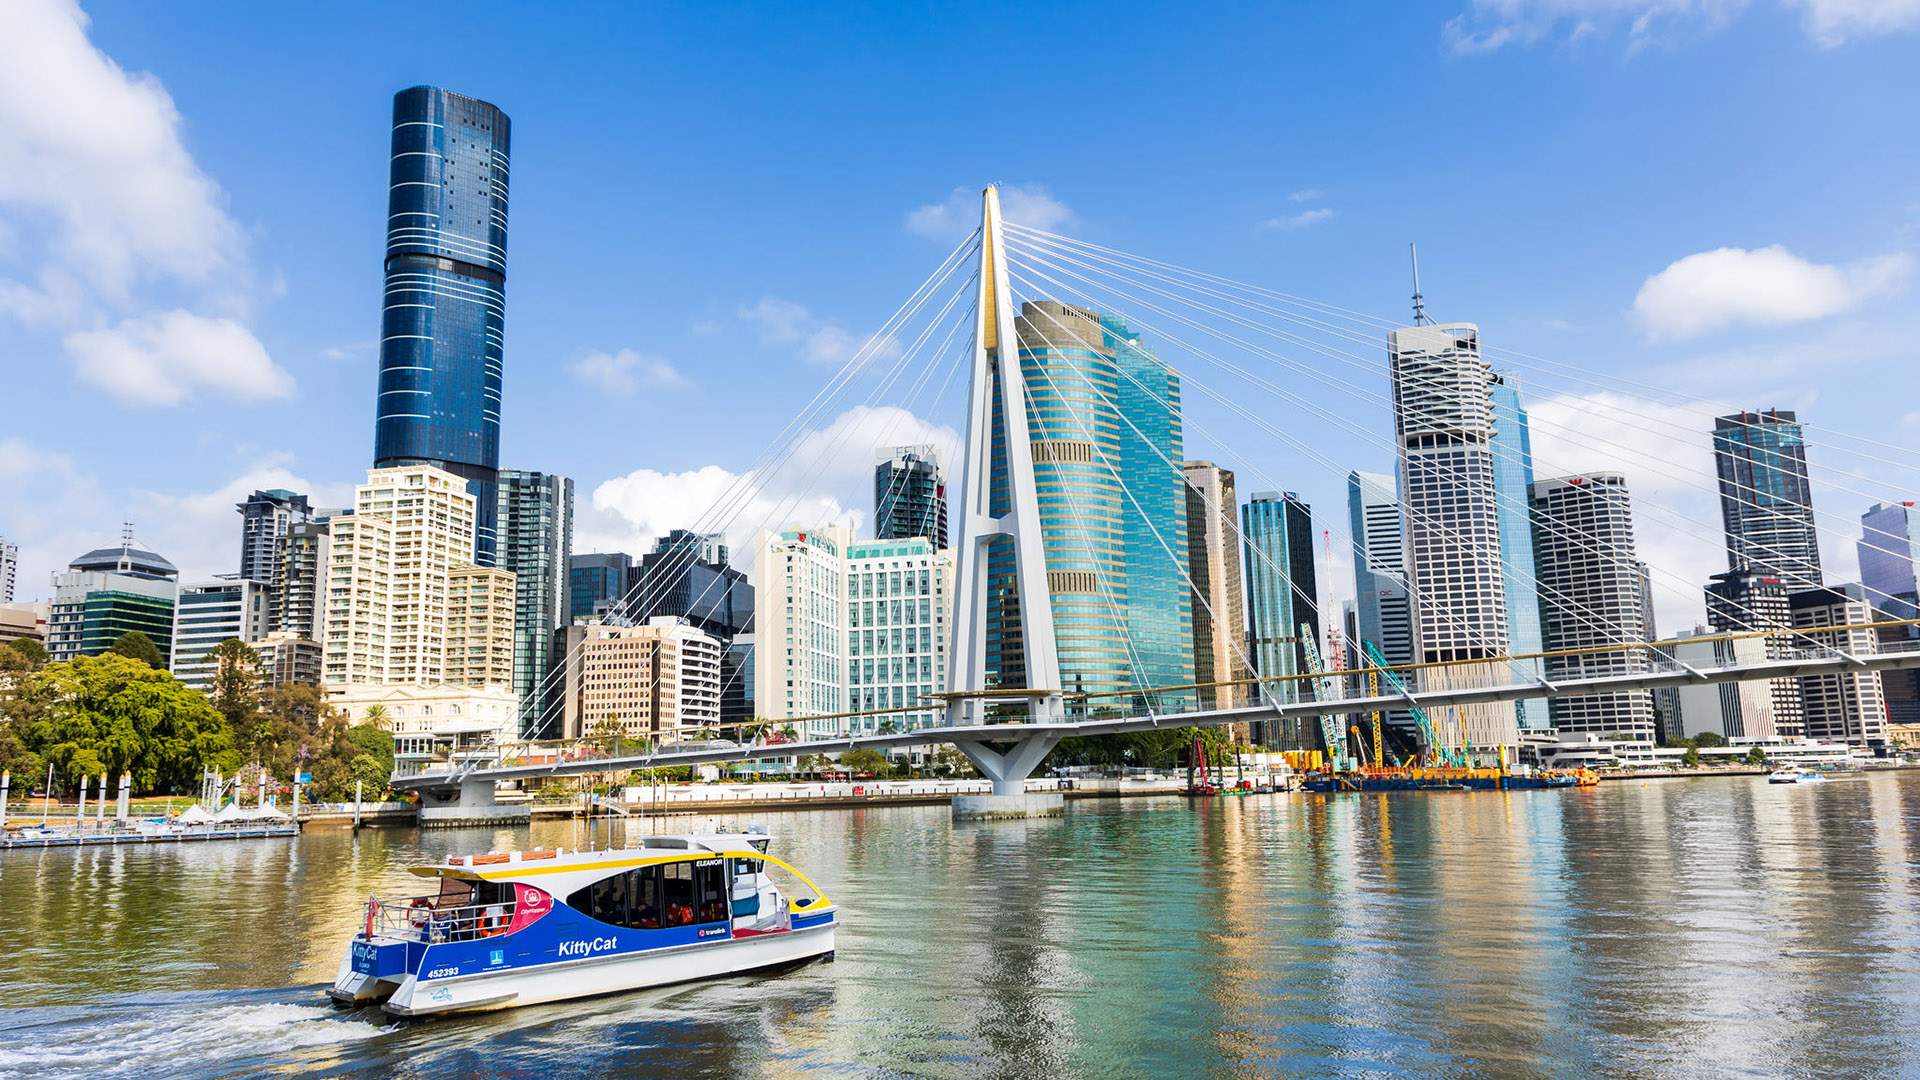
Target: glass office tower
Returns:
[535, 521]
[1512, 482]
[1766, 501]
[445, 313]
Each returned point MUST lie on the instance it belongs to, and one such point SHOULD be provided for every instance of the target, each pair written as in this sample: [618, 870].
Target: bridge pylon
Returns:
[998, 388]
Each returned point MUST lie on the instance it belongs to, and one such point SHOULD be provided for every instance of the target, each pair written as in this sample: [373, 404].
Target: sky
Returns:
[1665, 209]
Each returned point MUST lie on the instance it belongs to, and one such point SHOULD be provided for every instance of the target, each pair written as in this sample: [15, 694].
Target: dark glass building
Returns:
[535, 523]
[910, 496]
[265, 517]
[1766, 502]
[595, 582]
[445, 313]
[686, 576]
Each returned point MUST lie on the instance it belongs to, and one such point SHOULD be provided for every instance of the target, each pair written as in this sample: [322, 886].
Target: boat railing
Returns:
[421, 918]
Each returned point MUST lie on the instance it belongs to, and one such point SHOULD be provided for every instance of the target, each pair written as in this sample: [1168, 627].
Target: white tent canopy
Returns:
[193, 815]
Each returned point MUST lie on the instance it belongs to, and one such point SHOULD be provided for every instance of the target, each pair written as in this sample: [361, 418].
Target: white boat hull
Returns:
[595, 975]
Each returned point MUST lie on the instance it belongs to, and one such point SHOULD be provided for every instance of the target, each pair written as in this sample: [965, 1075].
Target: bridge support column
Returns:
[1009, 769]
[469, 802]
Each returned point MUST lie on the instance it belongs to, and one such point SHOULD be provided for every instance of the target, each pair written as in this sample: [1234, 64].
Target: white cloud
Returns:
[96, 152]
[826, 478]
[200, 530]
[1488, 25]
[1301, 220]
[1761, 287]
[1031, 205]
[1306, 195]
[784, 322]
[1834, 22]
[624, 372]
[163, 359]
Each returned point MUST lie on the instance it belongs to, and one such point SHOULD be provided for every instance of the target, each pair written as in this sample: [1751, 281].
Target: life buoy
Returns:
[493, 920]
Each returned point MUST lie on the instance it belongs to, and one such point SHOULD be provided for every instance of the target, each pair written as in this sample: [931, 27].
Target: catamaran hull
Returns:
[612, 974]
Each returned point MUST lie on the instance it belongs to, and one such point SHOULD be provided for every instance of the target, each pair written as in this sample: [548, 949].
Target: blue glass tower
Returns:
[1273, 633]
[1512, 481]
[1766, 500]
[445, 315]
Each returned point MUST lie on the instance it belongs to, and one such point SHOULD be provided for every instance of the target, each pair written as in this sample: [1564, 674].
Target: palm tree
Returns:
[377, 715]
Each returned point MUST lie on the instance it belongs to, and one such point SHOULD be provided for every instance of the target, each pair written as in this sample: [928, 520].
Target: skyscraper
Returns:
[595, 582]
[444, 319]
[1887, 536]
[9, 568]
[910, 496]
[1383, 605]
[687, 576]
[1443, 419]
[1845, 707]
[264, 518]
[1213, 558]
[1273, 623]
[404, 604]
[535, 539]
[1104, 422]
[1766, 502]
[297, 604]
[1512, 447]
[1590, 598]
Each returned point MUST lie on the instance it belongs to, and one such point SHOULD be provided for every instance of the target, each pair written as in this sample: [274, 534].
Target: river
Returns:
[1712, 927]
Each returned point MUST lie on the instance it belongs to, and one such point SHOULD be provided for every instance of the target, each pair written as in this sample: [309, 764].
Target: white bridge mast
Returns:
[996, 370]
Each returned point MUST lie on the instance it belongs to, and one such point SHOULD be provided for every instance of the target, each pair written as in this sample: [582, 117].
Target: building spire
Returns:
[1419, 303]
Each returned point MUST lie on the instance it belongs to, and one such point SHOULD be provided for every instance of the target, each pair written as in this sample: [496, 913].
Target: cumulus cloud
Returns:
[1489, 25]
[821, 341]
[199, 530]
[1031, 205]
[826, 478]
[99, 194]
[624, 372]
[1761, 287]
[164, 359]
[1303, 219]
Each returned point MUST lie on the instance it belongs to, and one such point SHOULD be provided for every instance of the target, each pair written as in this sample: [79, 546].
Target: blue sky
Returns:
[192, 199]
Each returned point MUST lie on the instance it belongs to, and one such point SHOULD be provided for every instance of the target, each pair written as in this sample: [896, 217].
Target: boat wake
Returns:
[198, 1034]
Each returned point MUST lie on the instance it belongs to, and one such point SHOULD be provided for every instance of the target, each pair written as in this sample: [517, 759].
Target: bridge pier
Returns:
[468, 802]
[1008, 770]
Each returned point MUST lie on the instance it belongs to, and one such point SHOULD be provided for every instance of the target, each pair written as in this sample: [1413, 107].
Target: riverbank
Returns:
[746, 798]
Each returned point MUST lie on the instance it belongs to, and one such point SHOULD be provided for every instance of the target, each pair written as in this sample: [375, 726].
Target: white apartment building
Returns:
[850, 626]
[393, 565]
[208, 613]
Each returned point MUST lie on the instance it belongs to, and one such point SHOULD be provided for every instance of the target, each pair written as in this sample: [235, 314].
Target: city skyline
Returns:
[770, 318]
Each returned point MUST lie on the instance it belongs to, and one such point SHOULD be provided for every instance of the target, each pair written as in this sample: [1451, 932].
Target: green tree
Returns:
[1691, 759]
[373, 741]
[788, 733]
[864, 760]
[236, 694]
[888, 727]
[135, 645]
[1756, 756]
[1706, 740]
[32, 651]
[129, 718]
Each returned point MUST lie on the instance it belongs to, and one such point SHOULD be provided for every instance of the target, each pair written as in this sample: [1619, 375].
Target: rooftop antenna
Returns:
[1419, 303]
[126, 534]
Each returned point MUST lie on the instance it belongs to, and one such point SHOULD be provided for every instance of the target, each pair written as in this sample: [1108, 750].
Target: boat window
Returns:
[607, 899]
[677, 894]
[454, 893]
[711, 877]
[643, 897]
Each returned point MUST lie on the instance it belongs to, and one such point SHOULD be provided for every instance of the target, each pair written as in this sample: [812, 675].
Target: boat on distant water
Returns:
[519, 928]
[1795, 776]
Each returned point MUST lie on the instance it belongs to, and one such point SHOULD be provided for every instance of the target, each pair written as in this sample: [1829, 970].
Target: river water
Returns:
[1645, 928]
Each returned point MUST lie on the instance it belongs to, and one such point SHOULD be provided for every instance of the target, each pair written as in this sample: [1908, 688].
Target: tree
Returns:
[1756, 756]
[32, 651]
[135, 645]
[888, 727]
[950, 761]
[1691, 759]
[236, 694]
[377, 715]
[864, 760]
[116, 714]
[788, 733]
[1706, 740]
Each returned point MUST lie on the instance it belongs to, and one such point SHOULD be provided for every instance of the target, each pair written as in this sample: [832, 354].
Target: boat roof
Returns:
[508, 866]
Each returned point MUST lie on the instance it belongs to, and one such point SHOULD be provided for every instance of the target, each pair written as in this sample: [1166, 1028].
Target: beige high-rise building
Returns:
[393, 568]
[660, 680]
[1213, 561]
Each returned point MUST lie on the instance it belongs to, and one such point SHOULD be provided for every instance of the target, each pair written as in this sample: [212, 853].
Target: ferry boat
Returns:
[526, 927]
[1792, 775]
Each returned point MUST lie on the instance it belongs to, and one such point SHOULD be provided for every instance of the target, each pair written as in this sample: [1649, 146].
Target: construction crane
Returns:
[1379, 743]
[1326, 690]
[1434, 750]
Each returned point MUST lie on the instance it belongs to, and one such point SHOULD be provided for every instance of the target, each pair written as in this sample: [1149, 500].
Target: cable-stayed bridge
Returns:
[1073, 437]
